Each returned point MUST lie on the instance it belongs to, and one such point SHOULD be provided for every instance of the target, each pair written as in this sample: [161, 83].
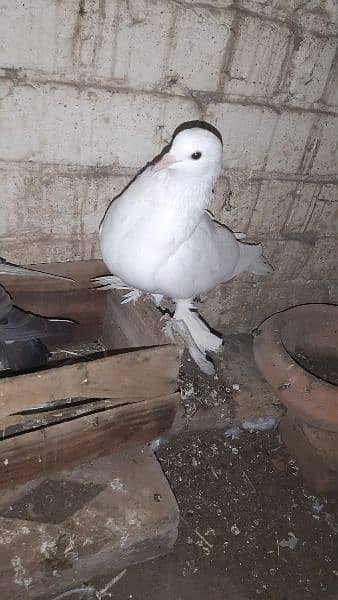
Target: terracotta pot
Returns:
[305, 334]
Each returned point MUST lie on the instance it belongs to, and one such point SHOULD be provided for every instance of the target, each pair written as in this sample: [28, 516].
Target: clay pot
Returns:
[297, 352]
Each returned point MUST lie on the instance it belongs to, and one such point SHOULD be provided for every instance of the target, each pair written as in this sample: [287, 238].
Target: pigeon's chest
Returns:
[146, 226]
[135, 247]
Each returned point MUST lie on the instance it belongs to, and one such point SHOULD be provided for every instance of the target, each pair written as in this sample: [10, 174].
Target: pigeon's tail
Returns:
[252, 260]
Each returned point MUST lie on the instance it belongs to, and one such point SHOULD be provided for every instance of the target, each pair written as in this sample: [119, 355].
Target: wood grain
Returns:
[145, 373]
[41, 452]
[99, 313]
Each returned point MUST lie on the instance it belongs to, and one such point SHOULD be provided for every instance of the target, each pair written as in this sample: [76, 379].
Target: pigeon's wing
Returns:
[23, 356]
[207, 258]
[21, 348]
[20, 326]
[7, 268]
[5, 303]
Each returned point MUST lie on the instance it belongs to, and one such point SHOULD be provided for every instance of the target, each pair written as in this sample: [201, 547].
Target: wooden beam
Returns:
[41, 452]
[131, 325]
[146, 373]
[99, 313]
[81, 271]
[19, 424]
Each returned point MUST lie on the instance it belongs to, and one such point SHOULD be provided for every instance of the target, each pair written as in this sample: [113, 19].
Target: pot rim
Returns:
[311, 398]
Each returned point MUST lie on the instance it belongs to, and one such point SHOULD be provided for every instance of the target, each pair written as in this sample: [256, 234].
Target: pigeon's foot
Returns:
[111, 282]
[204, 339]
[156, 298]
[135, 295]
[132, 296]
[169, 326]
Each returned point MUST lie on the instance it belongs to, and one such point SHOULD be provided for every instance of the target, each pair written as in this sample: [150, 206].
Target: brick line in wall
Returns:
[237, 8]
[22, 77]
[102, 171]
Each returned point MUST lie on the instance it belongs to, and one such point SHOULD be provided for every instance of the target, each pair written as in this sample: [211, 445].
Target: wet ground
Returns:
[249, 528]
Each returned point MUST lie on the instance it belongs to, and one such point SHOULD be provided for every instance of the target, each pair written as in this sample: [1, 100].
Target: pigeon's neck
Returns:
[189, 197]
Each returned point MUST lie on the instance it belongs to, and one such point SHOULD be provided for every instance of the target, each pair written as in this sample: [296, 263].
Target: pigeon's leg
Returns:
[132, 296]
[204, 339]
[179, 327]
[135, 295]
[157, 299]
[112, 282]
[169, 326]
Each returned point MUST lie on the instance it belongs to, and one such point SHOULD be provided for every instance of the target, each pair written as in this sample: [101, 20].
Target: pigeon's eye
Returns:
[196, 155]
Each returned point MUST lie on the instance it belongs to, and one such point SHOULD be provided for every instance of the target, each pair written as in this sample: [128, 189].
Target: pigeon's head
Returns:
[193, 152]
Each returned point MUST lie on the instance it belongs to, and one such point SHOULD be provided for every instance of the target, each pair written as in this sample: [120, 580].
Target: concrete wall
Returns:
[92, 89]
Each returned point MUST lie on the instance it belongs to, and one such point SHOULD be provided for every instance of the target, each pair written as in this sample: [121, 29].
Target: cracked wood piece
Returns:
[99, 313]
[143, 373]
[15, 424]
[39, 453]
[91, 534]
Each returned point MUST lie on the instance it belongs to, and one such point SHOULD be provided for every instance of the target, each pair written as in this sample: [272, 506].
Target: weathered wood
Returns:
[107, 519]
[80, 271]
[28, 422]
[57, 447]
[143, 373]
[129, 325]
[61, 298]
[99, 313]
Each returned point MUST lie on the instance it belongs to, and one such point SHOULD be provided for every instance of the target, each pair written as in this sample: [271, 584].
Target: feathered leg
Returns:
[111, 282]
[194, 332]
[204, 339]
[179, 327]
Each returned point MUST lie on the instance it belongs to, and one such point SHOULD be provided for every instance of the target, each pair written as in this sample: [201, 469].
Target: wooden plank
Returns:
[61, 298]
[138, 325]
[143, 373]
[60, 446]
[98, 312]
[107, 518]
[81, 271]
[19, 424]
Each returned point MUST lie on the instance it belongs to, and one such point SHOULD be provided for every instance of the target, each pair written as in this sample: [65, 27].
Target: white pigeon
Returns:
[158, 238]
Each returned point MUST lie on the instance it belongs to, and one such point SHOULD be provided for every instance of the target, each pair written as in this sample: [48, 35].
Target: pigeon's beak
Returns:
[166, 161]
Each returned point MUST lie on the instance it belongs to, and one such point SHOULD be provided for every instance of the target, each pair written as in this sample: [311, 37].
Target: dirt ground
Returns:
[248, 527]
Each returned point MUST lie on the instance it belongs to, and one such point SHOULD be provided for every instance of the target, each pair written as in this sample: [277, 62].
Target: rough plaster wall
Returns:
[92, 89]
